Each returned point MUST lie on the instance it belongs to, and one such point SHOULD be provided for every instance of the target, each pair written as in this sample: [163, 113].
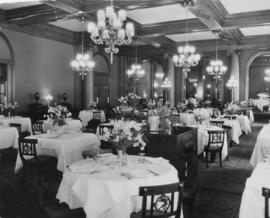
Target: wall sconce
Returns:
[48, 98]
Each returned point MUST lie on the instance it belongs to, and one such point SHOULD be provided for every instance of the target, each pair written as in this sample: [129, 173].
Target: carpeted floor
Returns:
[219, 194]
[221, 189]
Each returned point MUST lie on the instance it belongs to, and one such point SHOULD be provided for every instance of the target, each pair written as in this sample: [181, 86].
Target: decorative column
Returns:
[171, 77]
[235, 68]
[89, 96]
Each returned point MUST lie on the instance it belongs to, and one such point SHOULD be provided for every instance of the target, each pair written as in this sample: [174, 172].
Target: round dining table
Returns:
[104, 188]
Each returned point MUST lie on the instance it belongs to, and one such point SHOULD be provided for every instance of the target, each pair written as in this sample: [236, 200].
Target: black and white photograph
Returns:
[134, 108]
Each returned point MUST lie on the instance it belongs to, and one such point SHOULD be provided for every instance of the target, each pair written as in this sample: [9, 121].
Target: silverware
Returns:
[153, 172]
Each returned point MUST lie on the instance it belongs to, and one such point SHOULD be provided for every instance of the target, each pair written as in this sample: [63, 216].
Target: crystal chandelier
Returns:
[186, 56]
[109, 30]
[159, 75]
[166, 84]
[232, 83]
[136, 70]
[267, 77]
[82, 64]
[216, 67]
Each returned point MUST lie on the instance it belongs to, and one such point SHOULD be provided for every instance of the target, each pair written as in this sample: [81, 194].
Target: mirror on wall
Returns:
[259, 79]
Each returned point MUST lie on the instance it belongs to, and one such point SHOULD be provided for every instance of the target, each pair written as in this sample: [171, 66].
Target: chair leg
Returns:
[227, 157]
[220, 158]
[206, 159]
[24, 174]
[39, 176]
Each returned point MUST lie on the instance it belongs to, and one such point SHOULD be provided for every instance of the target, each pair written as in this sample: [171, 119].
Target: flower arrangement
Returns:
[131, 99]
[125, 134]
[58, 114]
[9, 108]
[201, 114]
[232, 108]
[192, 103]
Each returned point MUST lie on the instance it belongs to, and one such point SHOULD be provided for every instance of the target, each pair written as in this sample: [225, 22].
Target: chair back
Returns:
[18, 126]
[266, 195]
[216, 138]
[218, 123]
[162, 200]
[102, 127]
[27, 148]
[97, 115]
[174, 118]
[37, 127]
[216, 113]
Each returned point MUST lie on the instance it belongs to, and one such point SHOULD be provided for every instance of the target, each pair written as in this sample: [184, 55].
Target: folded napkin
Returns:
[155, 160]
[86, 167]
[137, 173]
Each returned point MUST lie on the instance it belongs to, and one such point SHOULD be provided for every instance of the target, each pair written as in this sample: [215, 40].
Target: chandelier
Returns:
[166, 84]
[216, 67]
[159, 75]
[232, 83]
[109, 30]
[82, 63]
[267, 77]
[136, 70]
[186, 56]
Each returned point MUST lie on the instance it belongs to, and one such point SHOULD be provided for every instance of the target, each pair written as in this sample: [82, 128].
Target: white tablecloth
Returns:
[108, 194]
[259, 103]
[262, 146]
[26, 124]
[203, 138]
[236, 129]
[8, 137]
[244, 123]
[67, 148]
[72, 125]
[87, 115]
[252, 204]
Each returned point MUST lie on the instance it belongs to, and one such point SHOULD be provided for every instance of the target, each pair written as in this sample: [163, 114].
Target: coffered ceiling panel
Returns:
[192, 36]
[239, 6]
[72, 25]
[9, 6]
[253, 31]
[159, 14]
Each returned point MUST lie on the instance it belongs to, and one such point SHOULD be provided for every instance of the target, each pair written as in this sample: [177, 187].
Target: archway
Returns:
[249, 62]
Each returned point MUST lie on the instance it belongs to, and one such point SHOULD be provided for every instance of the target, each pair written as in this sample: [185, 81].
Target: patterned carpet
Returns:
[219, 194]
[221, 189]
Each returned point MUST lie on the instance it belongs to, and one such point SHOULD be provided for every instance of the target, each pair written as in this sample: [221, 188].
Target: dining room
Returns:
[134, 108]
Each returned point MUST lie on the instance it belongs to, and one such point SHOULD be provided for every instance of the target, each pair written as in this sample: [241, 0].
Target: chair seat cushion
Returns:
[139, 214]
[213, 147]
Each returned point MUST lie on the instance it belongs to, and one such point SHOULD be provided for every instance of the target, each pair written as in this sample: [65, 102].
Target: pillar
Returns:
[235, 70]
[171, 77]
[89, 81]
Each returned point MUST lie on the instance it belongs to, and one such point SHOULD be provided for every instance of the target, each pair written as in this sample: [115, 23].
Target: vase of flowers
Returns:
[125, 134]
[10, 109]
[58, 114]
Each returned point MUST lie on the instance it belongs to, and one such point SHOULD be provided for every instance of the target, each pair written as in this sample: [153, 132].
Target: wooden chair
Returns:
[37, 127]
[174, 118]
[97, 115]
[18, 126]
[30, 158]
[266, 195]
[215, 113]
[215, 144]
[218, 123]
[162, 201]
[228, 130]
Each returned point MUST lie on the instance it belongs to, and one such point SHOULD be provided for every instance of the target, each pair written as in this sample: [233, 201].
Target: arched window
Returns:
[6, 70]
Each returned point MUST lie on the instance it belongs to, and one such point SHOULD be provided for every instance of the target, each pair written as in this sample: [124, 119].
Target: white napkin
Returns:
[156, 160]
[86, 167]
[137, 173]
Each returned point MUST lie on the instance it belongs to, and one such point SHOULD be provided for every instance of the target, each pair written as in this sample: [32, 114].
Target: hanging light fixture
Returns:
[267, 77]
[82, 64]
[159, 75]
[187, 56]
[216, 67]
[136, 70]
[109, 30]
[166, 84]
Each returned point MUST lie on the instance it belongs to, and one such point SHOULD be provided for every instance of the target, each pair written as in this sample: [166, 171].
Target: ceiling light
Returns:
[109, 29]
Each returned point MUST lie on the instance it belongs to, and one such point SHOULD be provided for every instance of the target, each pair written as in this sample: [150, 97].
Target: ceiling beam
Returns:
[247, 19]
[69, 6]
